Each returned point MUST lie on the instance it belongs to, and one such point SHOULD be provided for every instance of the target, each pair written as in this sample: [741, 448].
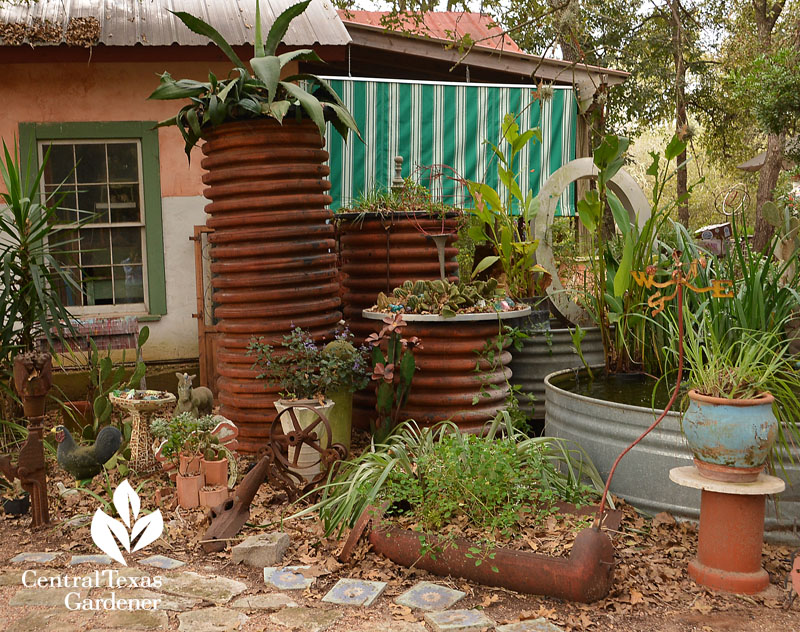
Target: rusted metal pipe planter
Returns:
[446, 383]
[585, 576]
[272, 249]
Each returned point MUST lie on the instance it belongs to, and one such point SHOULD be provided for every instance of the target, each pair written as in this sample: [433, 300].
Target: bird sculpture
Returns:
[86, 461]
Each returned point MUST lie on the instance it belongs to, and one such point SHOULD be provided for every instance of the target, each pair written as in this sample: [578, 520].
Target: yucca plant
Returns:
[262, 94]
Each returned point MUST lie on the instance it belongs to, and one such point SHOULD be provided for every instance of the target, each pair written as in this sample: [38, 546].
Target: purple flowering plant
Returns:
[305, 369]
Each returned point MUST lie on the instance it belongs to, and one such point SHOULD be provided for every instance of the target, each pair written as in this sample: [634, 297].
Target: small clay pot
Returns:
[189, 464]
[213, 495]
[17, 506]
[189, 490]
[215, 472]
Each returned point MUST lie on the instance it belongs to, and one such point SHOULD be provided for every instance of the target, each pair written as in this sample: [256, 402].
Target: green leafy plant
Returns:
[506, 223]
[245, 96]
[181, 433]
[440, 474]
[304, 369]
[393, 368]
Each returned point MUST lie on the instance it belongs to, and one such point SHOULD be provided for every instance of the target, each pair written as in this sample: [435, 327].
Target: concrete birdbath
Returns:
[143, 406]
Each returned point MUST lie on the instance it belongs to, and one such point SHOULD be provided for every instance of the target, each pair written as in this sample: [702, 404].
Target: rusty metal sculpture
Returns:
[32, 379]
[276, 466]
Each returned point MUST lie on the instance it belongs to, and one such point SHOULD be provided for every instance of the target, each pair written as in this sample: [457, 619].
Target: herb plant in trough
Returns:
[262, 94]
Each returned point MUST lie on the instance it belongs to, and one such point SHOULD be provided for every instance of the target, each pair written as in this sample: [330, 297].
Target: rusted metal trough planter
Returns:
[446, 383]
[585, 576]
[273, 264]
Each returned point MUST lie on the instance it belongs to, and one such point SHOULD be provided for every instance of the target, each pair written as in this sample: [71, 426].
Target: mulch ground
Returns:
[651, 592]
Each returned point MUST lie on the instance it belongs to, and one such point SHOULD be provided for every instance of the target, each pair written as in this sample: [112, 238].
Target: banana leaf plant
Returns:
[243, 95]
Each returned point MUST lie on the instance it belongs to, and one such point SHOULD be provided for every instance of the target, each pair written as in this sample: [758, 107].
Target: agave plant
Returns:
[250, 96]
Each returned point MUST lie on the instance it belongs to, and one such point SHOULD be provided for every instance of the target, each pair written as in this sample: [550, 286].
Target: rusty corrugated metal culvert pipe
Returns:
[273, 260]
[446, 385]
[379, 252]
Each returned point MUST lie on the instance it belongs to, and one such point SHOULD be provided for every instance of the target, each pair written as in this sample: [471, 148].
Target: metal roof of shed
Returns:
[149, 23]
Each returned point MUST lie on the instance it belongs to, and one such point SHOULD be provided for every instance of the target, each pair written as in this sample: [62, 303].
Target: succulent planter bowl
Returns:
[446, 383]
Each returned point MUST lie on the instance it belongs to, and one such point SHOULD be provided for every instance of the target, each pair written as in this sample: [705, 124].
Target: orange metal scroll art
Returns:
[719, 288]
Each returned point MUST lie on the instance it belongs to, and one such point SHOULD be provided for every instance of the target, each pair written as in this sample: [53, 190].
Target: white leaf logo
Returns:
[106, 531]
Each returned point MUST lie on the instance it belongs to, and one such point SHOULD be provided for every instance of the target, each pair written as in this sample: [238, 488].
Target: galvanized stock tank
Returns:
[605, 428]
[273, 260]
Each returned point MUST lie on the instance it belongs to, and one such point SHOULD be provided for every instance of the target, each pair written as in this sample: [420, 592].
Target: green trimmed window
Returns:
[108, 174]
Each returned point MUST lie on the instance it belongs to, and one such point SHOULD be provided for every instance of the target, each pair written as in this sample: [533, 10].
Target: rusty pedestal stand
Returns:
[32, 379]
[731, 530]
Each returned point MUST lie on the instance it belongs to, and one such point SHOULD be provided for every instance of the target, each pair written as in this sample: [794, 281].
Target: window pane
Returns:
[126, 245]
[95, 248]
[123, 163]
[124, 202]
[64, 247]
[93, 200]
[61, 165]
[91, 161]
[128, 285]
[97, 285]
[65, 200]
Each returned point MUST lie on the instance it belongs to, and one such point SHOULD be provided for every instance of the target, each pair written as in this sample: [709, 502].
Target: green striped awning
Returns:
[444, 123]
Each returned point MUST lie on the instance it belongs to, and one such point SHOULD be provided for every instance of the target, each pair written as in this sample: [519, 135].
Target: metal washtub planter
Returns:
[273, 261]
[546, 352]
[446, 382]
[605, 428]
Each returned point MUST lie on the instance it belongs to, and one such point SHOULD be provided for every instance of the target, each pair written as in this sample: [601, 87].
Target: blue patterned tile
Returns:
[458, 620]
[354, 592]
[287, 578]
[429, 596]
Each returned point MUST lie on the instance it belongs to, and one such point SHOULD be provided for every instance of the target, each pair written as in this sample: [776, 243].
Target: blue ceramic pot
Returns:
[730, 438]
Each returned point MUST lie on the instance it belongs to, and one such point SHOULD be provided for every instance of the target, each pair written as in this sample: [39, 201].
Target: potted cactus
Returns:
[461, 373]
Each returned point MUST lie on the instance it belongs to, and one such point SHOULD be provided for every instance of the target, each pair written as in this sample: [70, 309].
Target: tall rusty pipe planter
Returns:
[446, 383]
[273, 261]
[585, 576]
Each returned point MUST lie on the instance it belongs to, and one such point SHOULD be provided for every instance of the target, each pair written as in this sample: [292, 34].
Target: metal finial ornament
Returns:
[719, 288]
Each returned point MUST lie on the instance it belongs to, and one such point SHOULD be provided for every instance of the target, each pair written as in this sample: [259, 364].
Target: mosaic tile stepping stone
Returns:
[89, 559]
[354, 592]
[39, 558]
[458, 621]
[429, 596]
[161, 561]
[530, 625]
[288, 577]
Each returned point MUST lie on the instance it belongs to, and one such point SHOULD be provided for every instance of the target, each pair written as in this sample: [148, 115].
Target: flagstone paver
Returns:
[135, 619]
[14, 577]
[354, 592]
[429, 596]
[116, 577]
[306, 619]
[52, 597]
[268, 601]
[530, 625]
[388, 625]
[51, 619]
[165, 601]
[287, 578]
[90, 559]
[216, 588]
[38, 558]
[211, 620]
[161, 561]
[458, 620]
[264, 549]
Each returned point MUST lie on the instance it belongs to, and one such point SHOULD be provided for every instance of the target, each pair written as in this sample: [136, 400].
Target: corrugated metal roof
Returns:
[148, 22]
[445, 25]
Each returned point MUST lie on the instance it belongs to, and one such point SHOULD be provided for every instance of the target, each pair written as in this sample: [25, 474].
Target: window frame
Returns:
[31, 134]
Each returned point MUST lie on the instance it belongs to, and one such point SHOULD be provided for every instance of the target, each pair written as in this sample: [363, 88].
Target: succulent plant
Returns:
[445, 298]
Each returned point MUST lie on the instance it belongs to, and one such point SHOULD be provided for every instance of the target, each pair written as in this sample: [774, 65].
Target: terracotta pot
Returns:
[213, 495]
[189, 490]
[215, 472]
[730, 438]
[189, 464]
